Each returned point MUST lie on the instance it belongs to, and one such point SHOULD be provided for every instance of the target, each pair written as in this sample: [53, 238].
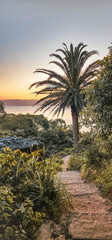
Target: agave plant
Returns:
[65, 91]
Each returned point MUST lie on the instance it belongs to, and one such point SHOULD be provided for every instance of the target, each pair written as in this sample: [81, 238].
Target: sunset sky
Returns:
[32, 29]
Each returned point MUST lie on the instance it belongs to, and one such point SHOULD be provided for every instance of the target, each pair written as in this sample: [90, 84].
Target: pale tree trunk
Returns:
[75, 126]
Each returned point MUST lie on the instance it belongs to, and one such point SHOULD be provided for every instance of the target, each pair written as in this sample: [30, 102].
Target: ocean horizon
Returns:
[31, 109]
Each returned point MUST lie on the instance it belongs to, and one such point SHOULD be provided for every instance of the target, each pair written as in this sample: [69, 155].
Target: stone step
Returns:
[95, 226]
[75, 185]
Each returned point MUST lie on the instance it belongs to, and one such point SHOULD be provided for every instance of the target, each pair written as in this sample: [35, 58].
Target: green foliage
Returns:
[2, 109]
[62, 91]
[93, 158]
[99, 98]
[55, 135]
[17, 219]
[55, 140]
[23, 125]
[30, 190]
[77, 157]
[75, 162]
[65, 152]
[105, 179]
[102, 176]
[94, 152]
[57, 159]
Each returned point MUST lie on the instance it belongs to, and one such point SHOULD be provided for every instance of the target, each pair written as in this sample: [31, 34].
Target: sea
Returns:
[31, 109]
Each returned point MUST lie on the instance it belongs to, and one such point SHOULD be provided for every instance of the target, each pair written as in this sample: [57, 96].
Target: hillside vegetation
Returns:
[93, 154]
[30, 192]
[55, 135]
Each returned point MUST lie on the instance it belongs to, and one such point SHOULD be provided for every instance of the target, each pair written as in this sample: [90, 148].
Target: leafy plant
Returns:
[30, 191]
[75, 161]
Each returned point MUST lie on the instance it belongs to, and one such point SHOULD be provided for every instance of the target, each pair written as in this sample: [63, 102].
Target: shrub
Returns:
[105, 180]
[93, 158]
[97, 166]
[77, 157]
[61, 154]
[54, 134]
[75, 161]
[30, 190]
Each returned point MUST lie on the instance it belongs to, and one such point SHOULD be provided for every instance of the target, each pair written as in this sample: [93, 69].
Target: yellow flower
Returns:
[14, 163]
[43, 215]
[24, 155]
[7, 149]
[9, 157]
[3, 162]
[17, 152]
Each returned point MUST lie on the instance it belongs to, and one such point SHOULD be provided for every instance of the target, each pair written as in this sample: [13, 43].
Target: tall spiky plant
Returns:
[64, 91]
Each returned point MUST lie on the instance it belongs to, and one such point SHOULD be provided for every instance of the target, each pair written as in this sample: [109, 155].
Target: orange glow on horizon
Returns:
[15, 83]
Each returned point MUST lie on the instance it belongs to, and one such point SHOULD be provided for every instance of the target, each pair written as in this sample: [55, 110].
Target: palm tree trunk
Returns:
[75, 125]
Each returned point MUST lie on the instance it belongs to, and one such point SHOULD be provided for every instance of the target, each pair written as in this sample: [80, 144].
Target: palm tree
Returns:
[2, 110]
[64, 91]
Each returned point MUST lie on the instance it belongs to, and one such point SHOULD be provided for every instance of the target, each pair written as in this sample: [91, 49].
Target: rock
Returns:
[44, 232]
[61, 237]
[24, 144]
[56, 231]
[50, 231]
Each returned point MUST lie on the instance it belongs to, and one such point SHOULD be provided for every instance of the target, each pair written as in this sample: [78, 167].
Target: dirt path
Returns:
[91, 216]
[86, 197]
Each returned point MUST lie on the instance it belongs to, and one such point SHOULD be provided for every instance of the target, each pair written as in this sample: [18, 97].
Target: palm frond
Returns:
[64, 90]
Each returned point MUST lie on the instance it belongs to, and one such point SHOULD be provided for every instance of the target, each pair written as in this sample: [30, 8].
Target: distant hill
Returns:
[19, 102]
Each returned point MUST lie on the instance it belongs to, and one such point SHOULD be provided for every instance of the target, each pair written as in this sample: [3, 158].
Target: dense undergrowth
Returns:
[93, 155]
[30, 192]
[93, 158]
[55, 135]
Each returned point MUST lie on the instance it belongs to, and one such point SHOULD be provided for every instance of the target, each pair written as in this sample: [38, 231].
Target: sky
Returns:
[30, 30]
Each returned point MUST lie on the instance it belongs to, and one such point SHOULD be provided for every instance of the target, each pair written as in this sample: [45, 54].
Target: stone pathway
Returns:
[91, 216]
